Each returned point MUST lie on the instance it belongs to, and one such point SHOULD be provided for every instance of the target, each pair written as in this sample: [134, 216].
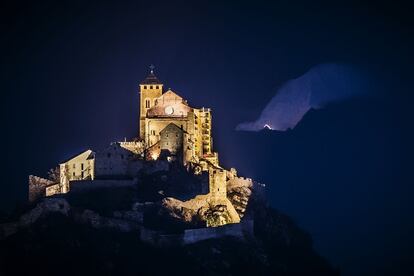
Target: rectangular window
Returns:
[82, 175]
[82, 166]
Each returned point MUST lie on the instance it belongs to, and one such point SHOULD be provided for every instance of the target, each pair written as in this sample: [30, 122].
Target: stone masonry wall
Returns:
[84, 185]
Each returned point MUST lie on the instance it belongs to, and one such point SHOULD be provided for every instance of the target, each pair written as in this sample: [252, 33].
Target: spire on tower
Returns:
[151, 78]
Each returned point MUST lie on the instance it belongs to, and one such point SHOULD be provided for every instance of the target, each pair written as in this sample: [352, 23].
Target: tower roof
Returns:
[151, 78]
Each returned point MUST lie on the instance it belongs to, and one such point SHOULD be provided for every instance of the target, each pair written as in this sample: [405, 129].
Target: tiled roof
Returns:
[90, 156]
[151, 79]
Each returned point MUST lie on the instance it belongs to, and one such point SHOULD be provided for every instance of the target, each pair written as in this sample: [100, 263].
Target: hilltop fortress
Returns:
[171, 134]
[158, 204]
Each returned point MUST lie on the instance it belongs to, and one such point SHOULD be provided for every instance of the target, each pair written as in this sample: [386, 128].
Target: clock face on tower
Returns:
[169, 110]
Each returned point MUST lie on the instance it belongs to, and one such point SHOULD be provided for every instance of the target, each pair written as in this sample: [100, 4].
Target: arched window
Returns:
[145, 87]
[147, 103]
[156, 87]
[150, 86]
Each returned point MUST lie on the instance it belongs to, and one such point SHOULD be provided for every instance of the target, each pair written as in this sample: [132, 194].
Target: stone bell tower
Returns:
[149, 90]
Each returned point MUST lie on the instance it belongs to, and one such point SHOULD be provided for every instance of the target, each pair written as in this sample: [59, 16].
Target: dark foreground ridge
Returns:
[98, 233]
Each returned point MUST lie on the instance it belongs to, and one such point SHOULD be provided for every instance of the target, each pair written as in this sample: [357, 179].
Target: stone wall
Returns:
[136, 147]
[77, 168]
[37, 187]
[190, 236]
[217, 180]
[153, 127]
[239, 230]
[159, 238]
[117, 160]
[153, 152]
[212, 158]
[53, 189]
[205, 130]
[193, 122]
[85, 185]
[171, 139]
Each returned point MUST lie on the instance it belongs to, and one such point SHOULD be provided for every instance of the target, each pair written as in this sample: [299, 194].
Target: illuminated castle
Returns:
[170, 131]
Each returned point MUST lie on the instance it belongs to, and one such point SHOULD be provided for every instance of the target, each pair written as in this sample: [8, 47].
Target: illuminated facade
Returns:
[160, 109]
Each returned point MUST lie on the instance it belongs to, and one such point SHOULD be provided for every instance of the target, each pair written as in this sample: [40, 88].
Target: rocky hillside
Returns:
[99, 232]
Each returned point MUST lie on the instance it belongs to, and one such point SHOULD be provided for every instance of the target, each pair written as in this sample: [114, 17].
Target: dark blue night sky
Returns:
[69, 81]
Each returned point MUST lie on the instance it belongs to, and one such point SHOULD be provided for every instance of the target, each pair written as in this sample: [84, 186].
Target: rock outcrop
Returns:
[57, 239]
[211, 212]
[41, 210]
[46, 206]
[37, 187]
[130, 230]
